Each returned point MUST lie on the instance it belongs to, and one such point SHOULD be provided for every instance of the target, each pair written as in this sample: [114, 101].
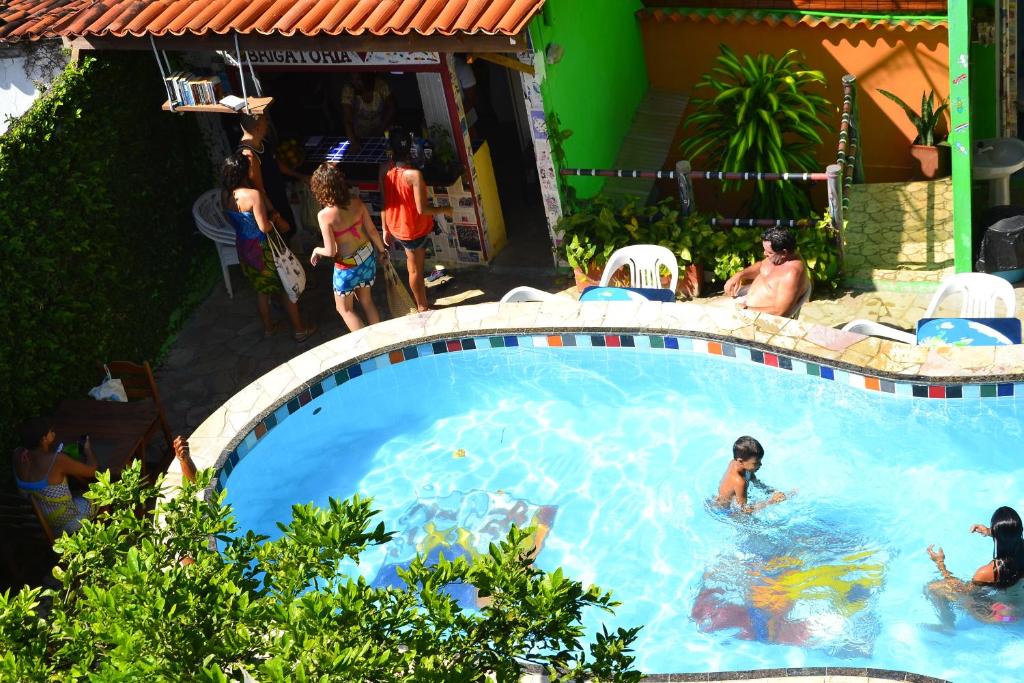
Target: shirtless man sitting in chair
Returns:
[777, 283]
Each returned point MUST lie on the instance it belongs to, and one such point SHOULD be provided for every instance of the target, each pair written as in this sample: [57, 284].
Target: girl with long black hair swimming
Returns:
[1004, 571]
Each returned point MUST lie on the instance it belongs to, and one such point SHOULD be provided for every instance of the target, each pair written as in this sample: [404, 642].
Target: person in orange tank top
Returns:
[408, 216]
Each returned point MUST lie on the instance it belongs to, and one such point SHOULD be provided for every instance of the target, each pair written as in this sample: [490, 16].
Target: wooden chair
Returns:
[139, 385]
[47, 529]
[26, 555]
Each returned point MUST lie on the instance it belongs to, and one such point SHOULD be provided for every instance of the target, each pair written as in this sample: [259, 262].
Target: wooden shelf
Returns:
[256, 106]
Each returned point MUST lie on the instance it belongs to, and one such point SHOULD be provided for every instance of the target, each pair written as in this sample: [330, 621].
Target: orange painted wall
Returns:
[906, 62]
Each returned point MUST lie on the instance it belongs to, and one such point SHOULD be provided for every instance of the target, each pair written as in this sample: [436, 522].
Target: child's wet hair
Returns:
[747, 448]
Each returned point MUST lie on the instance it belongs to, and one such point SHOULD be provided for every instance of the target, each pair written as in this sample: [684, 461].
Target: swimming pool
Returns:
[616, 449]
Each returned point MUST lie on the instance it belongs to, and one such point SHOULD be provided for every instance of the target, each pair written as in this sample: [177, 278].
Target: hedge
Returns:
[100, 254]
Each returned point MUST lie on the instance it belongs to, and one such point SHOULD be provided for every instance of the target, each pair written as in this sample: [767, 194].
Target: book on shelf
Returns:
[188, 89]
[233, 102]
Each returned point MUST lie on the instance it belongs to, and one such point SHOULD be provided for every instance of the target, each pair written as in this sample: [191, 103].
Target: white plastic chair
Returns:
[644, 261]
[873, 329]
[211, 221]
[980, 291]
[794, 312]
[524, 293]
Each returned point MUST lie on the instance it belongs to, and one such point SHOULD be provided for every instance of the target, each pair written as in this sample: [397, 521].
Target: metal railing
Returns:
[684, 176]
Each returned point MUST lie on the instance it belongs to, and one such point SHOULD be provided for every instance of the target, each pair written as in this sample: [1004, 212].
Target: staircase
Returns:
[899, 236]
[647, 144]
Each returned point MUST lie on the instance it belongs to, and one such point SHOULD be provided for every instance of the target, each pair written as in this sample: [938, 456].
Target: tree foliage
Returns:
[142, 599]
[101, 258]
[760, 116]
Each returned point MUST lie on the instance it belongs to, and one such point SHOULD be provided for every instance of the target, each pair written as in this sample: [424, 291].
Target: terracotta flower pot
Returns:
[931, 161]
[591, 278]
[690, 282]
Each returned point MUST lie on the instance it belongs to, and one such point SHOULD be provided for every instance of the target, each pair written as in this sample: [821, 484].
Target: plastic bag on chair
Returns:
[110, 389]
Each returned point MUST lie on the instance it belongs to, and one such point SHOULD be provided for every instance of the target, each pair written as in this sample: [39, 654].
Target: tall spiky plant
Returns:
[927, 120]
[760, 117]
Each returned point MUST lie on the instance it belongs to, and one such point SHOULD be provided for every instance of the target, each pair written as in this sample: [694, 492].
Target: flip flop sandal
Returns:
[305, 334]
[274, 329]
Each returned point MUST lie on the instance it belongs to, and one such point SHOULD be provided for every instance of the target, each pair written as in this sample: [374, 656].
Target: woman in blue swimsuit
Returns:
[350, 238]
[41, 471]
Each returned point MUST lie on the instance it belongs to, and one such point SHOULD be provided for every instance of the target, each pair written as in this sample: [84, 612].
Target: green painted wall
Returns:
[961, 136]
[596, 87]
[984, 84]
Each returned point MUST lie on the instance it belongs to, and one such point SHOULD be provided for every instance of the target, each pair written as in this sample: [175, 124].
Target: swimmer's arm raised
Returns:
[939, 558]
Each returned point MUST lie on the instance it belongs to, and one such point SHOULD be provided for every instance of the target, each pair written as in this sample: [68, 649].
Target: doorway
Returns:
[496, 111]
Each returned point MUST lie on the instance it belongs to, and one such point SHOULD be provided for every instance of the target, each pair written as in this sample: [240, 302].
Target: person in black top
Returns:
[264, 172]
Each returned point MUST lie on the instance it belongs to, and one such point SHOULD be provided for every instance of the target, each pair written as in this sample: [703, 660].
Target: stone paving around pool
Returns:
[221, 349]
[899, 236]
[854, 356]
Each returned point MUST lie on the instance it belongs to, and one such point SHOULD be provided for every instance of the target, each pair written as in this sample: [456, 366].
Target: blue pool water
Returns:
[615, 452]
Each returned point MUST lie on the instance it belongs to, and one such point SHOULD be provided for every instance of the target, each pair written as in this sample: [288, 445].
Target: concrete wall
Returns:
[17, 90]
[906, 62]
[600, 80]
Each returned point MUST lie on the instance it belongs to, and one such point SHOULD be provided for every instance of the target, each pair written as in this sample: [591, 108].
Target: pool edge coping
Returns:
[214, 439]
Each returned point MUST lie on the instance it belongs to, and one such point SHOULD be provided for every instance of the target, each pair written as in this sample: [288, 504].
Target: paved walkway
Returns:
[899, 236]
[221, 348]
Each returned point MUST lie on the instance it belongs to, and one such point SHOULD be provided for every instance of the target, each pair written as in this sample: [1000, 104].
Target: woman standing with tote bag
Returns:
[408, 216]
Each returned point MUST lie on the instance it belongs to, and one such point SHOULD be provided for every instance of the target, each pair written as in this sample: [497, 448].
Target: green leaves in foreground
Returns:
[759, 115]
[142, 600]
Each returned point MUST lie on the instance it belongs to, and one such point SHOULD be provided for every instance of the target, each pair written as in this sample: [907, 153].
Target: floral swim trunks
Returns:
[348, 279]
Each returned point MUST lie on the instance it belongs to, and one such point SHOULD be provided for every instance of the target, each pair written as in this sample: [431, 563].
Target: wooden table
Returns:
[117, 430]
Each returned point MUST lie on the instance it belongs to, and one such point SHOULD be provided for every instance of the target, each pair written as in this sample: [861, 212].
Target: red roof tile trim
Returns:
[790, 19]
[34, 19]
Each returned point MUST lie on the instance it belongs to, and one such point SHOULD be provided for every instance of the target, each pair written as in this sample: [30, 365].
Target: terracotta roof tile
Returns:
[34, 19]
[790, 19]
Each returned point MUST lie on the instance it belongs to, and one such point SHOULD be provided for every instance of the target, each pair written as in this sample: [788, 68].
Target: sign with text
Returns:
[321, 58]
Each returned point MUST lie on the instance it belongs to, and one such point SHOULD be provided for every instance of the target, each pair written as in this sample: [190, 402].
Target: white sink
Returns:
[995, 159]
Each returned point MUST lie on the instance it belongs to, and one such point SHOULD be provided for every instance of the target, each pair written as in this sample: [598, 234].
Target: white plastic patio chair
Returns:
[644, 261]
[524, 293]
[794, 312]
[873, 329]
[980, 291]
[211, 221]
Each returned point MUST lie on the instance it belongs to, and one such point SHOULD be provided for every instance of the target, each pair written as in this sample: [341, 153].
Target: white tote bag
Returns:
[293, 276]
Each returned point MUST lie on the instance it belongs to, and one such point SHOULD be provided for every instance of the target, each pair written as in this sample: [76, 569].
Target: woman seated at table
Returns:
[41, 470]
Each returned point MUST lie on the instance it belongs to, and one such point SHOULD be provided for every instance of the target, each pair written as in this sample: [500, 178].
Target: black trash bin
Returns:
[1002, 244]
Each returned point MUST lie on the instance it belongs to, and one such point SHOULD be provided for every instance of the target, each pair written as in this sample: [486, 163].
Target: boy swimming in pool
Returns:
[747, 454]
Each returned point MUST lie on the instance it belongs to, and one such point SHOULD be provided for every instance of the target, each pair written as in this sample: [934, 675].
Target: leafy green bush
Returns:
[760, 117]
[99, 247]
[142, 601]
[738, 247]
[599, 227]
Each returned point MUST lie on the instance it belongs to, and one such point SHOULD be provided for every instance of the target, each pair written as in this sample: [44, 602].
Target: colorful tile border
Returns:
[724, 349]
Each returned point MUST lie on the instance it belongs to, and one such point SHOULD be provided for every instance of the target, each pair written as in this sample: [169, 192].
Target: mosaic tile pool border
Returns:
[249, 436]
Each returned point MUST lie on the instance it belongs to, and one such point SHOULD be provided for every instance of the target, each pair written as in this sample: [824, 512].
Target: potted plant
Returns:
[931, 160]
[685, 237]
[759, 113]
[592, 233]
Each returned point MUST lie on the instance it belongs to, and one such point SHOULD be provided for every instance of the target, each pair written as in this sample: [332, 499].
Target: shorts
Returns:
[412, 245]
[348, 280]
